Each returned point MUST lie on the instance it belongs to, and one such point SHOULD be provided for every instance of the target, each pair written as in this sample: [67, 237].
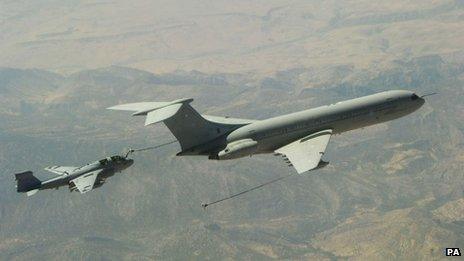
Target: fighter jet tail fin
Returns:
[26, 182]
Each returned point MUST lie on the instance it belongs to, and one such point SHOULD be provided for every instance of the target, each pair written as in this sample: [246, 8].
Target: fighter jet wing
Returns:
[60, 170]
[86, 182]
[305, 154]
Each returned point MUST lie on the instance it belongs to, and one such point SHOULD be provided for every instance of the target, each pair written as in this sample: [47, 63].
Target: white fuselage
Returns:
[276, 132]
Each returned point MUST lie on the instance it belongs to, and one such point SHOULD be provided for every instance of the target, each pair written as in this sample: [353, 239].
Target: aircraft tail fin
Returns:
[26, 182]
[189, 127]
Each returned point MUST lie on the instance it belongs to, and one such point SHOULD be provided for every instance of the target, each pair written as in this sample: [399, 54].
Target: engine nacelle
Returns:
[238, 149]
[322, 164]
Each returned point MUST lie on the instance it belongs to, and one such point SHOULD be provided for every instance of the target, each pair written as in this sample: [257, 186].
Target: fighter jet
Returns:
[82, 179]
[300, 138]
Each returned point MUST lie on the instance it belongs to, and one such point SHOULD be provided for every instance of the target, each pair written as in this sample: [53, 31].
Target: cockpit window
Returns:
[117, 158]
[414, 97]
[103, 161]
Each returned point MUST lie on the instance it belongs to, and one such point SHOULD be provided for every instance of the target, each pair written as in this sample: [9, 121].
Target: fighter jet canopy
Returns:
[117, 158]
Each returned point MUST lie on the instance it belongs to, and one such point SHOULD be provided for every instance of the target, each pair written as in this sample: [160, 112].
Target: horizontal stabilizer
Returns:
[162, 114]
[143, 108]
[190, 128]
[139, 106]
[155, 111]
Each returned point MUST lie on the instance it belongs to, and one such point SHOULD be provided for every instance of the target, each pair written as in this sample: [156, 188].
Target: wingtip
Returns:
[115, 107]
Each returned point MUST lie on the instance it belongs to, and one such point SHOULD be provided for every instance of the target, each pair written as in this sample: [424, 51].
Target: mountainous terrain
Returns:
[391, 191]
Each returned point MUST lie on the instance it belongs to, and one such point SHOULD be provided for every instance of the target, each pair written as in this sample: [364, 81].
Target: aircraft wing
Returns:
[60, 170]
[86, 182]
[306, 153]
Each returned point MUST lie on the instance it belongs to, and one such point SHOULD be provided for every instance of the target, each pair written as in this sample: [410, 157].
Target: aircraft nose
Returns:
[129, 162]
[419, 101]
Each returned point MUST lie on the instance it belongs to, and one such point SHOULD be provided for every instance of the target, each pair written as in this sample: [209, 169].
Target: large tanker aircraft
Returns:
[300, 138]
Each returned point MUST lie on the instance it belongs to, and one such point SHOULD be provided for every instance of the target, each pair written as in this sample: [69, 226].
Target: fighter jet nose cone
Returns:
[129, 162]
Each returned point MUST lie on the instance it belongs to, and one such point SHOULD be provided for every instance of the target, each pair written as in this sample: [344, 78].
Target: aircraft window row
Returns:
[385, 106]
[353, 114]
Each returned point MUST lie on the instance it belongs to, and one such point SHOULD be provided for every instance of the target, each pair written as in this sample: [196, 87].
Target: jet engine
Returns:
[238, 149]
[322, 164]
